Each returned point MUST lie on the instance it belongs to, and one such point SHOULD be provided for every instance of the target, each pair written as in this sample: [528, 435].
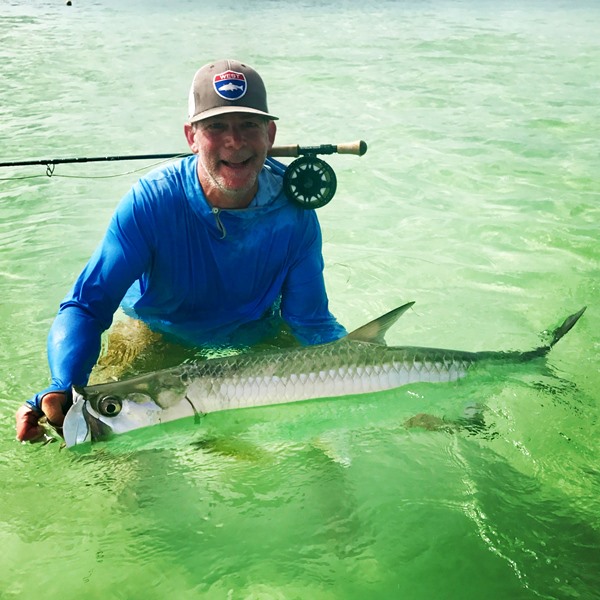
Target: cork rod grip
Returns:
[359, 147]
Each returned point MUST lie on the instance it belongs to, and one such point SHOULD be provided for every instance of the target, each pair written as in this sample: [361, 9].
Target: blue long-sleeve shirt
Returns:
[195, 273]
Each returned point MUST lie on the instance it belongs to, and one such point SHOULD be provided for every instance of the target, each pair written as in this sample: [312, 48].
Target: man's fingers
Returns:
[27, 426]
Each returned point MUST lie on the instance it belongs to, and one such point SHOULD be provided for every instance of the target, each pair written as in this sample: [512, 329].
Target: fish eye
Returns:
[109, 406]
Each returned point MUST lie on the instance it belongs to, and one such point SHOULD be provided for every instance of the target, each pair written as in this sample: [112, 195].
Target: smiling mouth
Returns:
[238, 164]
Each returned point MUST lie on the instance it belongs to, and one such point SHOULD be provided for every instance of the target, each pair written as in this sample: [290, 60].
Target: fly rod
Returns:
[308, 181]
[358, 148]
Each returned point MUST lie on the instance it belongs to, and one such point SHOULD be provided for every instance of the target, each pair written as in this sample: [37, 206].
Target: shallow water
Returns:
[478, 198]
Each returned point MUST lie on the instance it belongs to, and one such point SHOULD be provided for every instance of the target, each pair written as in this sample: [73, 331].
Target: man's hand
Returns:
[27, 425]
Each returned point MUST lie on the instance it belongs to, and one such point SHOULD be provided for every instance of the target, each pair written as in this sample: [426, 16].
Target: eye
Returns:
[253, 124]
[215, 126]
[109, 406]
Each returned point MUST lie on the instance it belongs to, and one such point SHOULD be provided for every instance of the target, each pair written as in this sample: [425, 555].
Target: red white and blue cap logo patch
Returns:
[226, 86]
[230, 85]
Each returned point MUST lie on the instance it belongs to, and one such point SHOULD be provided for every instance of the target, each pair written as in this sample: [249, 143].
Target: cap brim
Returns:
[220, 110]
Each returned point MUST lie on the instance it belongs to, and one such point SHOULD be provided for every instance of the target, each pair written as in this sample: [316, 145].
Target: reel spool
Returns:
[309, 182]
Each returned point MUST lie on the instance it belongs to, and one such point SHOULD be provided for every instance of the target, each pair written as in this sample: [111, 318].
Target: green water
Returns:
[478, 198]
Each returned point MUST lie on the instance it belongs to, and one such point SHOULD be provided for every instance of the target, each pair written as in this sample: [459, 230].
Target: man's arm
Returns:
[74, 339]
[305, 306]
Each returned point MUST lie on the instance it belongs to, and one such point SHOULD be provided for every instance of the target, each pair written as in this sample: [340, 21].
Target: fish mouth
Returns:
[80, 426]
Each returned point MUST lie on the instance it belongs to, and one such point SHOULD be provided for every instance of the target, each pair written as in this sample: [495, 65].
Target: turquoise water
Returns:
[478, 198]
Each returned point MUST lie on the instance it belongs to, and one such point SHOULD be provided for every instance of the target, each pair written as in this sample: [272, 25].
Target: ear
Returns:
[271, 131]
[190, 135]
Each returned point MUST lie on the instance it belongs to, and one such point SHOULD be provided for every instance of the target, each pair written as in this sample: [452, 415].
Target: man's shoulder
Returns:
[165, 183]
[172, 174]
[158, 190]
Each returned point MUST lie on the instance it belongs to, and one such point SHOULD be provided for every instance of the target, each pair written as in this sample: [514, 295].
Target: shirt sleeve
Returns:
[74, 340]
[304, 303]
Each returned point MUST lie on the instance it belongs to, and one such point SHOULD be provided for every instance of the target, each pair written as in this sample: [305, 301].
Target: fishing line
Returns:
[50, 172]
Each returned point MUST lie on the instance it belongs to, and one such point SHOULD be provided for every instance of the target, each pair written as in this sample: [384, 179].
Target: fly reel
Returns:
[309, 182]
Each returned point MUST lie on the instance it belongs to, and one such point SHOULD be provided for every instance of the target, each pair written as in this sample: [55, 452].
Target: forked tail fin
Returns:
[557, 334]
[568, 324]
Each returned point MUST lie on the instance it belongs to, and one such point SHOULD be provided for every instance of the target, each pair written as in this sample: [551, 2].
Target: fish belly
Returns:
[261, 390]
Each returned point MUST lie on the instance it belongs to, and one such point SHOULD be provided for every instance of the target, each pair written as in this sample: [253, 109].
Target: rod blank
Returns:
[358, 148]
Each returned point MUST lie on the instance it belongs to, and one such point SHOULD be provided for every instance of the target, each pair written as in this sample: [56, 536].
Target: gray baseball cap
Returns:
[227, 86]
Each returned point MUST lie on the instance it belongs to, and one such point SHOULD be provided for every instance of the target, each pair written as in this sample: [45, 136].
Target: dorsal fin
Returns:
[375, 331]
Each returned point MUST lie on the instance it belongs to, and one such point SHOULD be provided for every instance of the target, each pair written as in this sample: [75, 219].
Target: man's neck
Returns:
[225, 199]
[228, 200]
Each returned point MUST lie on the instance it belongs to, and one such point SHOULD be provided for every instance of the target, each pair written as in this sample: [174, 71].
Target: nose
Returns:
[235, 137]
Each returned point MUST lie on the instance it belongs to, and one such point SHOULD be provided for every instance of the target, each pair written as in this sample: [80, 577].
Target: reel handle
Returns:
[359, 147]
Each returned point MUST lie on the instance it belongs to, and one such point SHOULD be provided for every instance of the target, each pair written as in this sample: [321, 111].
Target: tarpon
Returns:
[359, 363]
[230, 87]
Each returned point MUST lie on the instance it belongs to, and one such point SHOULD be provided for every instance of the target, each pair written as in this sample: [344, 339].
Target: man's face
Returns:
[231, 150]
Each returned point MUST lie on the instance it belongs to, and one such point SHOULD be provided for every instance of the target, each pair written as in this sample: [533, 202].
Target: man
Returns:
[204, 251]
